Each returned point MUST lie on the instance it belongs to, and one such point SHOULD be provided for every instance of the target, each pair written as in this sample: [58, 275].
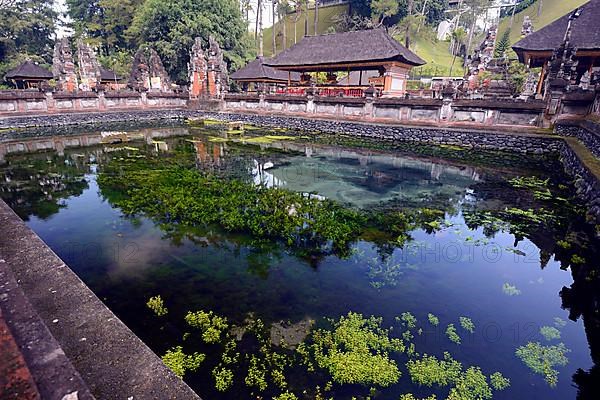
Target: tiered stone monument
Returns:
[63, 67]
[197, 69]
[207, 71]
[89, 67]
[148, 72]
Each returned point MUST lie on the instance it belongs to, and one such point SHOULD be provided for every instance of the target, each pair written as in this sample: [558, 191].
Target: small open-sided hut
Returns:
[256, 74]
[372, 49]
[28, 75]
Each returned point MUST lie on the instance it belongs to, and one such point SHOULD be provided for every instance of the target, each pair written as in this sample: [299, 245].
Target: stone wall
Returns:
[476, 112]
[587, 131]
[586, 183]
[23, 102]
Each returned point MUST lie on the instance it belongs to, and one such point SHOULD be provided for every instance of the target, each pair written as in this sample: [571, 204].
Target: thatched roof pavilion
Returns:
[28, 75]
[257, 72]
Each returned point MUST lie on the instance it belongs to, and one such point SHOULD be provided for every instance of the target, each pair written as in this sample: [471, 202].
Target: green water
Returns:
[505, 254]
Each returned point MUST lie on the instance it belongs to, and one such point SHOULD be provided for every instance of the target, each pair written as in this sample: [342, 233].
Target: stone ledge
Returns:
[113, 362]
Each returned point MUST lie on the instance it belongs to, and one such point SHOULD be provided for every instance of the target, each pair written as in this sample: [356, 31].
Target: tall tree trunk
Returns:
[274, 30]
[284, 29]
[258, 7]
[540, 6]
[407, 32]
[471, 31]
[316, 17]
[259, 15]
[305, 17]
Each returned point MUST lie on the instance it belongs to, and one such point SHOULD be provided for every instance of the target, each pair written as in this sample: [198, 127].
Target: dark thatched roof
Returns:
[346, 47]
[585, 32]
[257, 71]
[108, 75]
[29, 70]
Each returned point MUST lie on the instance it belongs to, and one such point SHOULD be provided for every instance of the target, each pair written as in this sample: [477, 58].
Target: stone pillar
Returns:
[368, 108]
[50, 103]
[394, 81]
[197, 70]
[101, 100]
[63, 67]
[218, 78]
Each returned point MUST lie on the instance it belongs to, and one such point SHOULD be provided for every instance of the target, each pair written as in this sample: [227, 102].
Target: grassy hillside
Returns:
[551, 11]
[326, 15]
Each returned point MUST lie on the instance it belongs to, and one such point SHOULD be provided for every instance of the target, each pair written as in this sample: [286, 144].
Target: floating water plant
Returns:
[430, 371]
[211, 325]
[433, 320]
[180, 363]
[559, 322]
[467, 324]
[550, 333]
[472, 385]
[408, 320]
[510, 290]
[223, 378]
[498, 381]
[157, 305]
[452, 334]
[543, 359]
[356, 351]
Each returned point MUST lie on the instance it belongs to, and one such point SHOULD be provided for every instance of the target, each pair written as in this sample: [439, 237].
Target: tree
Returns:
[170, 28]
[382, 9]
[503, 44]
[26, 31]
[283, 9]
[458, 39]
[316, 17]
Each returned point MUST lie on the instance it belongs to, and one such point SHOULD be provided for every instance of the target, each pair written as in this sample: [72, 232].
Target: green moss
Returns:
[498, 381]
[452, 334]
[542, 359]
[180, 363]
[211, 325]
[356, 351]
[157, 305]
[433, 320]
[550, 333]
[467, 324]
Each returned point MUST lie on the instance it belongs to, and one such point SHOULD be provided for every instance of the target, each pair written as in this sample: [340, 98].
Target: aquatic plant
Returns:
[211, 325]
[498, 381]
[157, 305]
[430, 371]
[408, 320]
[467, 324]
[550, 333]
[257, 374]
[286, 396]
[355, 350]
[410, 396]
[577, 259]
[563, 244]
[559, 322]
[542, 359]
[452, 334]
[180, 363]
[471, 385]
[223, 378]
[510, 290]
[433, 320]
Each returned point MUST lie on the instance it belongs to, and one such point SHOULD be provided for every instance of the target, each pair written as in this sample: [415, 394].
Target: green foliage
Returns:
[542, 359]
[382, 9]
[563, 244]
[180, 363]
[510, 290]
[472, 385]
[257, 374]
[433, 320]
[409, 320]
[410, 396]
[577, 259]
[118, 61]
[503, 44]
[430, 371]
[157, 305]
[223, 378]
[286, 396]
[170, 28]
[498, 381]
[467, 324]
[452, 334]
[211, 325]
[356, 351]
[550, 333]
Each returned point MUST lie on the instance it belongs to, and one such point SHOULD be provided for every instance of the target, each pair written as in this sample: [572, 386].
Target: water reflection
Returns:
[454, 268]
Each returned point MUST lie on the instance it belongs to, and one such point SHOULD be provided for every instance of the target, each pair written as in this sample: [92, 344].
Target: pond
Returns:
[282, 245]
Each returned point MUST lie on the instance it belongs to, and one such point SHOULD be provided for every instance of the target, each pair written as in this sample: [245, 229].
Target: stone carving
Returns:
[529, 86]
[89, 67]
[527, 27]
[148, 72]
[207, 70]
[218, 79]
[63, 67]
[197, 70]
